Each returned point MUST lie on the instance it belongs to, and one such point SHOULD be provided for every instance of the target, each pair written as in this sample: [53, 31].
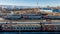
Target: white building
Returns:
[46, 10]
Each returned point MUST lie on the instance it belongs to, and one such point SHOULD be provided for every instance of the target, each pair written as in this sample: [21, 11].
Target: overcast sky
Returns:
[30, 2]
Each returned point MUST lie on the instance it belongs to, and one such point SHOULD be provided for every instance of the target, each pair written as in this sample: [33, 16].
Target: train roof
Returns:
[53, 16]
[21, 22]
[31, 14]
[51, 22]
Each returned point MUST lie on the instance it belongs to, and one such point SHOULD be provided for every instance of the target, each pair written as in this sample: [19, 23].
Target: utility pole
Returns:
[37, 4]
[37, 1]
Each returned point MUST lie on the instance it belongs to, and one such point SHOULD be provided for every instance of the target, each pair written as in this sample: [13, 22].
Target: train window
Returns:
[15, 15]
[24, 28]
[8, 27]
[11, 27]
[14, 28]
[29, 27]
[21, 27]
[32, 28]
[35, 27]
[17, 27]
[58, 28]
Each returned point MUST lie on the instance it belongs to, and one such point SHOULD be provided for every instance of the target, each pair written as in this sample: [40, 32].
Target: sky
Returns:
[30, 2]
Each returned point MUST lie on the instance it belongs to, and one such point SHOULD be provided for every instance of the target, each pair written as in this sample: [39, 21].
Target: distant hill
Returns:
[15, 7]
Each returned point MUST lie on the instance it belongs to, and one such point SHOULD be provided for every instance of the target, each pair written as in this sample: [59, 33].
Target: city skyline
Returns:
[30, 2]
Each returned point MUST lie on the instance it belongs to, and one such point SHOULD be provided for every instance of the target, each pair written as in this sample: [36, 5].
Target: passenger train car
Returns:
[52, 17]
[32, 16]
[30, 26]
[51, 27]
[18, 27]
[23, 17]
[13, 17]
